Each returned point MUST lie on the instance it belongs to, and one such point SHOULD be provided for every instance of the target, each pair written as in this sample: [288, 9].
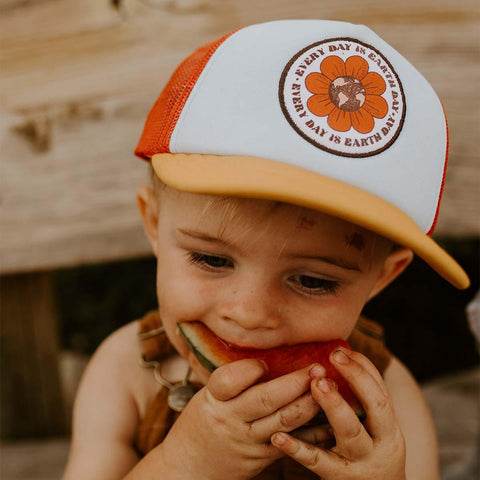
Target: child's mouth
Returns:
[255, 351]
[212, 351]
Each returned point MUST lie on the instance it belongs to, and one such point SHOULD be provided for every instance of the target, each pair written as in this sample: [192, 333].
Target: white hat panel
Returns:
[234, 109]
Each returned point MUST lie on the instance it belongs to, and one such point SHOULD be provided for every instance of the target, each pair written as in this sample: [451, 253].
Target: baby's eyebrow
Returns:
[205, 237]
[337, 261]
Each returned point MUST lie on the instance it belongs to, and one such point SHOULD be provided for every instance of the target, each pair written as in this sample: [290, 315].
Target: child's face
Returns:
[260, 273]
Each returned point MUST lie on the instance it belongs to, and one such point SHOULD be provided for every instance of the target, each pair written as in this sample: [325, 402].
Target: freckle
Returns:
[355, 240]
[305, 223]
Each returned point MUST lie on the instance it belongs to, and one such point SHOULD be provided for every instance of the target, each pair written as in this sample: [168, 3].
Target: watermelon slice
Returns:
[213, 352]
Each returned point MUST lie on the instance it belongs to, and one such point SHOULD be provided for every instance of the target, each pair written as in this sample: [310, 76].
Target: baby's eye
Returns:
[209, 261]
[315, 285]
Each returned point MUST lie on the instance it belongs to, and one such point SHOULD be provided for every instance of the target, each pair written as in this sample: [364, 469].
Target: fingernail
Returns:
[323, 385]
[340, 357]
[264, 365]
[317, 371]
[327, 384]
[279, 439]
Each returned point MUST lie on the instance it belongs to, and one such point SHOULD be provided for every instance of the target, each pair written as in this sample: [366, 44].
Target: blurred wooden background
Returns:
[77, 81]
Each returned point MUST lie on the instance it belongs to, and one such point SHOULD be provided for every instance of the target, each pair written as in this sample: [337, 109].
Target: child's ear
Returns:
[396, 262]
[147, 204]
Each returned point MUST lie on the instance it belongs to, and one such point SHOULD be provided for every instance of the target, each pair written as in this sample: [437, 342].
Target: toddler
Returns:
[296, 165]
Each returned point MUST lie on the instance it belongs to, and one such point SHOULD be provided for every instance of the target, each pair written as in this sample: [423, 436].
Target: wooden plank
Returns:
[78, 79]
[29, 382]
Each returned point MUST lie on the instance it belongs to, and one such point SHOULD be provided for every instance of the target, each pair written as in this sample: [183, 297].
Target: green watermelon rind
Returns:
[189, 336]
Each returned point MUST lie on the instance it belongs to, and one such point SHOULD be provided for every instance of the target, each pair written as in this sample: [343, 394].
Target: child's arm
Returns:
[105, 414]
[416, 422]
[397, 441]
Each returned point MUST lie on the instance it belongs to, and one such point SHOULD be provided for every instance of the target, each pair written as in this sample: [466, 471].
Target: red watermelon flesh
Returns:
[213, 352]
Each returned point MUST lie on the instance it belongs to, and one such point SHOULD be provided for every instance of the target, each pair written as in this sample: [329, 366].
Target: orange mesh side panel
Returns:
[166, 111]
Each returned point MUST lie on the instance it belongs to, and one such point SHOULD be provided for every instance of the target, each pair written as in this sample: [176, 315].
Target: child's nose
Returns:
[252, 306]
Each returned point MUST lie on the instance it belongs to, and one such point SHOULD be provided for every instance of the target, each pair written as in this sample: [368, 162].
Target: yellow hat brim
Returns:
[253, 177]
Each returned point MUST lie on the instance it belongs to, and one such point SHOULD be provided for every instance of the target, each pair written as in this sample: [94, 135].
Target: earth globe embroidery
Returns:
[347, 93]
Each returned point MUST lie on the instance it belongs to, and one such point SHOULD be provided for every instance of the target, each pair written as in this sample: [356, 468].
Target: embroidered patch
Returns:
[343, 96]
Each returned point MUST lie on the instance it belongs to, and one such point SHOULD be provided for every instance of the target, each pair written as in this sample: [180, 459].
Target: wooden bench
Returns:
[77, 80]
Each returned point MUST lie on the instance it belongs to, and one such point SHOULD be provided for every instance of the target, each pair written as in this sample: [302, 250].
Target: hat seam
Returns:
[444, 174]
[218, 52]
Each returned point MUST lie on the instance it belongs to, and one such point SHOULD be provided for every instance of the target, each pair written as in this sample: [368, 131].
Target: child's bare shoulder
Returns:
[401, 385]
[116, 382]
[415, 420]
[111, 400]
[116, 363]
[120, 350]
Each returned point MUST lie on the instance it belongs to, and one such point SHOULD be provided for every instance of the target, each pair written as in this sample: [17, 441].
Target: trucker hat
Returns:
[322, 114]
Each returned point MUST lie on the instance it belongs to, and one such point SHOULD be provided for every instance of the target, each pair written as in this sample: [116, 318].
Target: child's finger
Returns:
[316, 434]
[367, 365]
[352, 438]
[266, 398]
[286, 419]
[228, 381]
[372, 394]
[322, 462]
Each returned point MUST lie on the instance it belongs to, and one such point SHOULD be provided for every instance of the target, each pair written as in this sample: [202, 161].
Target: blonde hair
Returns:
[230, 206]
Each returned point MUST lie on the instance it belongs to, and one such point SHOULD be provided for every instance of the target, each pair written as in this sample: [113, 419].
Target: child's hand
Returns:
[224, 432]
[374, 451]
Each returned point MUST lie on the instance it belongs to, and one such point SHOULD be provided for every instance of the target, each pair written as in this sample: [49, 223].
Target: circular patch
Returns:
[343, 96]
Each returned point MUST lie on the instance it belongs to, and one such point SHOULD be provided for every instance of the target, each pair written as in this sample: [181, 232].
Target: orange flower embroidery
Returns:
[347, 93]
